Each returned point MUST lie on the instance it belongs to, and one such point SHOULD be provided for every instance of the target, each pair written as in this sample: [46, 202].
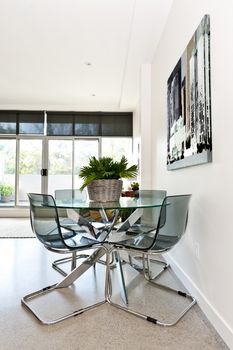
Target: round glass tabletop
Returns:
[146, 199]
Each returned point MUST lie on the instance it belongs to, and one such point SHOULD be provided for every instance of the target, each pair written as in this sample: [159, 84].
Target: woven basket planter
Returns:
[105, 190]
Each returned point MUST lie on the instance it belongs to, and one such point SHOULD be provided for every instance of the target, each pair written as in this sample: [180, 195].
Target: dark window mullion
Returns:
[17, 123]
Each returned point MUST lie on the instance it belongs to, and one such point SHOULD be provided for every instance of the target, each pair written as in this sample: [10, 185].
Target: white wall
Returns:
[204, 260]
[145, 125]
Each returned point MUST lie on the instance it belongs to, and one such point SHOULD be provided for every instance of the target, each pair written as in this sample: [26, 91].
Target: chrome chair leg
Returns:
[73, 259]
[65, 283]
[154, 320]
[146, 265]
[121, 277]
[108, 284]
[147, 271]
[112, 264]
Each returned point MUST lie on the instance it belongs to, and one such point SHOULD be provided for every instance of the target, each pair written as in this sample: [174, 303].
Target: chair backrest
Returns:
[68, 194]
[167, 231]
[151, 215]
[153, 193]
[44, 220]
[172, 221]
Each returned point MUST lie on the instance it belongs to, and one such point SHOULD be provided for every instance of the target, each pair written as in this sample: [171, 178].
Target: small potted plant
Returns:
[135, 187]
[103, 178]
[6, 191]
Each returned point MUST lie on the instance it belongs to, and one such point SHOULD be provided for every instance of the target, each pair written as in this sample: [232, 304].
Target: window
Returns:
[58, 142]
[30, 164]
[83, 150]
[7, 169]
[116, 147]
[60, 164]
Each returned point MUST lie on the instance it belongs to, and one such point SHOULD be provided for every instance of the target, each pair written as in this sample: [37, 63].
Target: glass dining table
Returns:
[146, 199]
[134, 205]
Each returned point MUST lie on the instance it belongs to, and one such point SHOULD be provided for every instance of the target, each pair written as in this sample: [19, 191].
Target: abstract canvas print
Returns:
[189, 140]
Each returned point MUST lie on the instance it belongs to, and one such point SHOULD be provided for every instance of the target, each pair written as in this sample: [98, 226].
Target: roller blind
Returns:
[116, 124]
[7, 122]
[30, 122]
[87, 124]
[60, 124]
[22, 122]
[90, 123]
[67, 123]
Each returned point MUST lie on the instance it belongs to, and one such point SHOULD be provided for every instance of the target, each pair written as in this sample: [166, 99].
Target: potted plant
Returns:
[6, 191]
[103, 178]
[135, 187]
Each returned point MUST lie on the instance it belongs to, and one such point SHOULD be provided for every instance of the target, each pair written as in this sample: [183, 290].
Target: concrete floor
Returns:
[26, 266]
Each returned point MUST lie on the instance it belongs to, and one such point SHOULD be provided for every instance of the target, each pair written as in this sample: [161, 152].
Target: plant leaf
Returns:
[106, 168]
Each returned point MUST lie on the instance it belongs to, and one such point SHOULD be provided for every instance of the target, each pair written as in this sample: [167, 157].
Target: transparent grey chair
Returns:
[146, 223]
[149, 219]
[46, 225]
[83, 216]
[83, 222]
[68, 195]
[68, 223]
[170, 227]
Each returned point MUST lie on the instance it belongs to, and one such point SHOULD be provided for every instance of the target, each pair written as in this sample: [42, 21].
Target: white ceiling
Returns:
[45, 45]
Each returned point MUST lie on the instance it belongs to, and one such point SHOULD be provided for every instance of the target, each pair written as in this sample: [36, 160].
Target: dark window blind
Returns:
[22, 122]
[67, 123]
[117, 124]
[90, 123]
[8, 122]
[60, 124]
[87, 124]
[31, 122]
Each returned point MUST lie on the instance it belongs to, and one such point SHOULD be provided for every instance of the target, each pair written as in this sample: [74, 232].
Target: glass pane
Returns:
[83, 150]
[7, 172]
[60, 165]
[116, 147]
[30, 164]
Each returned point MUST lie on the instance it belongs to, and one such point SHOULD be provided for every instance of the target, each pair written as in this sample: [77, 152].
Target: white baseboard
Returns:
[221, 326]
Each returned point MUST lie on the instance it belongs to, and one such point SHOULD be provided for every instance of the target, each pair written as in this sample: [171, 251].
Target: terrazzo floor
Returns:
[26, 266]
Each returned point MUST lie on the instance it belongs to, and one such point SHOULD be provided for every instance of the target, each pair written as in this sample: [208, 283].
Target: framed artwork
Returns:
[189, 139]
